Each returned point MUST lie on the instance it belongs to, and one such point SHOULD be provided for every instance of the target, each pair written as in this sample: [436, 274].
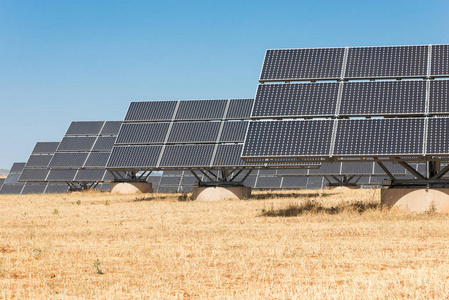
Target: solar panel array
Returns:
[389, 62]
[12, 185]
[82, 154]
[185, 134]
[328, 120]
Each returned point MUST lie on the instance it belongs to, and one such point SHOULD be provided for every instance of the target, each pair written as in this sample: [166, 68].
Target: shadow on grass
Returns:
[288, 195]
[313, 207]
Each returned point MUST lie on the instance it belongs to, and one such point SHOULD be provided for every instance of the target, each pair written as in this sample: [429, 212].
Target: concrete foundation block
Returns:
[416, 200]
[131, 187]
[221, 193]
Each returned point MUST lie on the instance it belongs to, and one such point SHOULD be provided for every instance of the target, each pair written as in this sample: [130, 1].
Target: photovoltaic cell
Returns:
[383, 98]
[438, 98]
[439, 62]
[76, 144]
[380, 137]
[45, 147]
[104, 143]
[300, 64]
[187, 156]
[38, 161]
[111, 128]
[142, 133]
[134, 157]
[288, 138]
[85, 128]
[294, 182]
[194, 132]
[151, 111]
[170, 180]
[239, 109]
[296, 100]
[201, 110]
[234, 132]
[97, 160]
[68, 160]
[387, 62]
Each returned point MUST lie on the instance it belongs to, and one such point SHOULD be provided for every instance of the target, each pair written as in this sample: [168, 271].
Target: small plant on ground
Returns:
[184, 197]
[97, 267]
[107, 203]
[56, 211]
[78, 202]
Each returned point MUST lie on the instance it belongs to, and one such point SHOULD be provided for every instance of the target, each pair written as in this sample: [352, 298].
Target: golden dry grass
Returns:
[159, 248]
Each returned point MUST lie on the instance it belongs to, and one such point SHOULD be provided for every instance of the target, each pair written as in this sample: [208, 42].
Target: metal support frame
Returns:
[343, 180]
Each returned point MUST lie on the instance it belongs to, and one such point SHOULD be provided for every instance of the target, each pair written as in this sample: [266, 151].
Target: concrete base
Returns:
[416, 200]
[221, 193]
[131, 187]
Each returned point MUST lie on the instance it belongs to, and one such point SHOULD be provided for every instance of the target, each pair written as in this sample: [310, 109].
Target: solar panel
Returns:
[68, 160]
[379, 137]
[90, 175]
[383, 98]
[187, 156]
[14, 189]
[17, 167]
[2, 180]
[170, 180]
[239, 109]
[56, 188]
[357, 168]
[288, 138]
[34, 174]
[97, 160]
[268, 182]
[440, 57]
[33, 189]
[437, 141]
[61, 175]
[229, 155]
[395, 169]
[134, 156]
[438, 104]
[12, 178]
[194, 132]
[85, 128]
[233, 132]
[111, 128]
[76, 144]
[151, 111]
[327, 169]
[45, 147]
[296, 100]
[300, 64]
[201, 109]
[142, 133]
[294, 182]
[104, 143]
[38, 161]
[387, 62]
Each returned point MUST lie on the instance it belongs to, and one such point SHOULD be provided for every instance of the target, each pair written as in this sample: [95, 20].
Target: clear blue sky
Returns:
[63, 61]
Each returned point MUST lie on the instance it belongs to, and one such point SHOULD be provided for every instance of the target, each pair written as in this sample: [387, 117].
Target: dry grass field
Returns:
[279, 245]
